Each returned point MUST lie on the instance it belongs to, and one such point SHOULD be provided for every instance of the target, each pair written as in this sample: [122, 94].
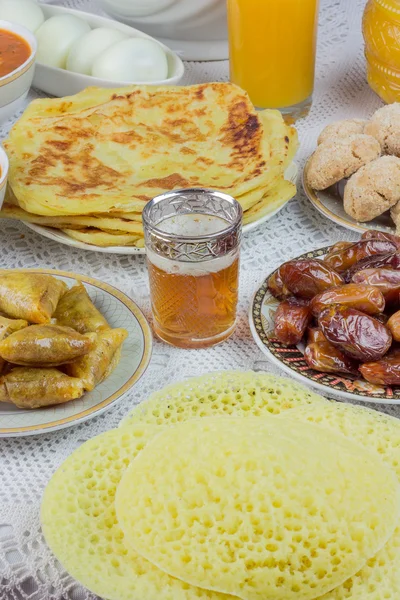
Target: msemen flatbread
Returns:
[113, 150]
[261, 508]
[80, 525]
[379, 579]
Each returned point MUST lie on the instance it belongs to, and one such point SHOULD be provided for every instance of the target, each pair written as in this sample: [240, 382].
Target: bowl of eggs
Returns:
[76, 50]
[17, 63]
[197, 29]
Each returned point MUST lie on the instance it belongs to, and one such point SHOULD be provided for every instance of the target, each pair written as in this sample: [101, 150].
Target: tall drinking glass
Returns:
[272, 52]
[192, 240]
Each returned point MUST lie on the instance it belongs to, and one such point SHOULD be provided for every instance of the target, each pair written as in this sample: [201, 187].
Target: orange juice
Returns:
[272, 50]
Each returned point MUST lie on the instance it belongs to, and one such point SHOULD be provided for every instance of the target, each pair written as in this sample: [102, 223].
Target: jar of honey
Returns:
[381, 29]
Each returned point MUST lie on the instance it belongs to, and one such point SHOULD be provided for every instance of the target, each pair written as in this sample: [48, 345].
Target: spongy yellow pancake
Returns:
[80, 526]
[261, 508]
[104, 239]
[104, 150]
[235, 393]
[379, 579]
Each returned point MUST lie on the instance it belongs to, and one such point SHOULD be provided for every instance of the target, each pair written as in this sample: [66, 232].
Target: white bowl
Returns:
[197, 29]
[59, 82]
[14, 86]
[3, 174]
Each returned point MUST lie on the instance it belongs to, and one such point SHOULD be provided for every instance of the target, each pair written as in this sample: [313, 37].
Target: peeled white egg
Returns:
[131, 61]
[56, 36]
[23, 12]
[87, 48]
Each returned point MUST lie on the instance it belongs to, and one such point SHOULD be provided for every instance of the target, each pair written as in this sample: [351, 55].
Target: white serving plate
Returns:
[329, 203]
[291, 358]
[59, 236]
[119, 311]
[59, 82]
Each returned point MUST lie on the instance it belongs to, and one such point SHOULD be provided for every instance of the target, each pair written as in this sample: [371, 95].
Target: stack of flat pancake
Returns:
[89, 163]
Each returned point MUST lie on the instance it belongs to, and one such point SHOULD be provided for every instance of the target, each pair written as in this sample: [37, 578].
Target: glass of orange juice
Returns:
[272, 52]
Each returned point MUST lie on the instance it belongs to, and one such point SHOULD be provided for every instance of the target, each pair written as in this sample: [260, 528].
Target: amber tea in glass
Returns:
[192, 242]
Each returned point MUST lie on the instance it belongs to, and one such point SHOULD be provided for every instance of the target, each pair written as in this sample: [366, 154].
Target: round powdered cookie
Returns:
[339, 158]
[341, 129]
[374, 189]
[385, 127]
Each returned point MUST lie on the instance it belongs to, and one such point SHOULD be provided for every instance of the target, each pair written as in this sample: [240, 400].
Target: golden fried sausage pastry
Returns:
[44, 346]
[338, 158]
[94, 367]
[76, 310]
[341, 129]
[385, 127]
[374, 189]
[33, 388]
[30, 296]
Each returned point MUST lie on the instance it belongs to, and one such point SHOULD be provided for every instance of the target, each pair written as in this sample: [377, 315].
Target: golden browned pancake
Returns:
[113, 150]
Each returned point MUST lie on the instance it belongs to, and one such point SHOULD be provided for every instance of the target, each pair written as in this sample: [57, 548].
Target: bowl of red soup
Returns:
[3, 174]
[17, 64]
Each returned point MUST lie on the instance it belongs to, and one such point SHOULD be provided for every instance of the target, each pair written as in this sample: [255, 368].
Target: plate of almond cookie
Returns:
[353, 176]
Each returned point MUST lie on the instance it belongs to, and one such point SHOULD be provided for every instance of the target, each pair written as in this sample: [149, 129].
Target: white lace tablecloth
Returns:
[27, 569]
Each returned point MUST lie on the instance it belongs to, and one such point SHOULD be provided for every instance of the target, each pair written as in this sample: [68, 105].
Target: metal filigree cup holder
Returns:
[192, 248]
[192, 240]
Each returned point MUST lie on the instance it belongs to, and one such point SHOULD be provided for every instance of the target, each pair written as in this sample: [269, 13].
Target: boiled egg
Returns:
[23, 12]
[56, 37]
[131, 61]
[84, 51]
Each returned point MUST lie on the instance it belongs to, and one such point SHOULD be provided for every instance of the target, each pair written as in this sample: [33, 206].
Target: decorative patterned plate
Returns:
[120, 311]
[329, 202]
[58, 236]
[291, 358]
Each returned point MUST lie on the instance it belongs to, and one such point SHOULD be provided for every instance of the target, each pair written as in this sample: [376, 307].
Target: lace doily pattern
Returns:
[28, 571]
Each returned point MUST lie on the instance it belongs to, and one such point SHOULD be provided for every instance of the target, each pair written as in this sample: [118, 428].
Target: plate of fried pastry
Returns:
[353, 177]
[82, 168]
[70, 346]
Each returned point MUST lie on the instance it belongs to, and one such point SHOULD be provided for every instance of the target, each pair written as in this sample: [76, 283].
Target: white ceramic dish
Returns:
[119, 311]
[14, 86]
[59, 82]
[291, 358]
[330, 204]
[196, 29]
[3, 174]
[58, 236]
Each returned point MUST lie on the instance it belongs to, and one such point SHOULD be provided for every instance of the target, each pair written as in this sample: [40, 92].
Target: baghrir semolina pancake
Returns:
[111, 151]
[261, 508]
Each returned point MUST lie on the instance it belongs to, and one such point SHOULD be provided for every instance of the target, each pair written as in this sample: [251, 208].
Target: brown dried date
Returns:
[315, 335]
[291, 320]
[394, 325]
[381, 235]
[358, 335]
[387, 261]
[338, 247]
[345, 258]
[325, 357]
[385, 280]
[383, 372]
[276, 287]
[354, 295]
[308, 277]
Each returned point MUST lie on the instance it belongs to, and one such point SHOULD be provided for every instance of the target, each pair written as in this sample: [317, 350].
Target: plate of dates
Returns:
[331, 318]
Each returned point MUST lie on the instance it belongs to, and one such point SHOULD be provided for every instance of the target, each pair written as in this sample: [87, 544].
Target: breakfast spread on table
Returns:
[232, 484]
[54, 343]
